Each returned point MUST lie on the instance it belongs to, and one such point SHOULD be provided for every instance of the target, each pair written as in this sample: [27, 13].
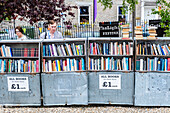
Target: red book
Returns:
[25, 52]
[65, 65]
[36, 52]
[79, 65]
[43, 65]
[168, 64]
[127, 49]
[37, 65]
[32, 52]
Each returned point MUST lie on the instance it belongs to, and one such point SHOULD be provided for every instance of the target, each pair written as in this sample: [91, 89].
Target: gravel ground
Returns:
[86, 109]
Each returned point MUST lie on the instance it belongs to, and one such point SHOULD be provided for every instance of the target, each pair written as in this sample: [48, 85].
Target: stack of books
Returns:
[125, 31]
[152, 32]
[138, 32]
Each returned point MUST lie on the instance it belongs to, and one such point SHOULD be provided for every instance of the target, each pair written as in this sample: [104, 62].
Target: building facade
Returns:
[84, 13]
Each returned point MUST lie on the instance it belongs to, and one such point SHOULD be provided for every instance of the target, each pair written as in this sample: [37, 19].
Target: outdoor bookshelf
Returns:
[64, 71]
[111, 75]
[20, 73]
[152, 67]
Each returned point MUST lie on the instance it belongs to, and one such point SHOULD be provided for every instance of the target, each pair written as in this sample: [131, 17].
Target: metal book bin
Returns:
[100, 93]
[10, 96]
[64, 88]
[152, 89]
[20, 88]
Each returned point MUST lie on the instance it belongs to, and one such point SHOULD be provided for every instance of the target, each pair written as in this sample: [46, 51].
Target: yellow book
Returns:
[143, 50]
[59, 68]
[77, 48]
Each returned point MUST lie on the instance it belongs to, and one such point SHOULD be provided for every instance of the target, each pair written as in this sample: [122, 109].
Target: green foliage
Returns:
[106, 3]
[164, 13]
[130, 3]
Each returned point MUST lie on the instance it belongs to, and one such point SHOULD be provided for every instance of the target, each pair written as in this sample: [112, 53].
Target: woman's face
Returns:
[19, 34]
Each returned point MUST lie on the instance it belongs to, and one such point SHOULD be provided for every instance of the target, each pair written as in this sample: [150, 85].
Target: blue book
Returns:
[112, 63]
[104, 48]
[92, 49]
[148, 64]
[137, 64]
[49, 52]
[16, 66]
[90, 64]
[11, 52]
[22, 69]
[108, 63]
[163, 64]
[166, 66]
[56, 63]
[83, 67]
[127, 64]
[0, 65]
[151, 64]
[77, 64]
[116, 64]
[107, 48]
[44, 51]
[162, 50]
[69, 65]
[72, 62]
[4, 65]
[98, 51]
[159, 65]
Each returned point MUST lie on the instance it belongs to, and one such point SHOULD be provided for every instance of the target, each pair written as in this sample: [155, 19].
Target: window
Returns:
[121, 17]
[84, 15]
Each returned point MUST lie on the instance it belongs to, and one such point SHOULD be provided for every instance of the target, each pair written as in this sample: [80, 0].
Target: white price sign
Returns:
[18, 84]
[109, 81]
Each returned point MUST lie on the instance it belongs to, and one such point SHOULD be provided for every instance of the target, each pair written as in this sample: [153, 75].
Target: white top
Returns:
[22, 38]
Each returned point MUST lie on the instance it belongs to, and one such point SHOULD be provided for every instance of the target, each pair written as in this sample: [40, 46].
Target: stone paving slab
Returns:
[86, 109]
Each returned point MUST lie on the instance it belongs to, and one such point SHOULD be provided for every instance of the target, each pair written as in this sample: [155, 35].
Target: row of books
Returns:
[152, 49]
[6, 51]
[155, 64]
[110, 63]
[63, 65]
[112, 48]
[9, 65]
[63, 50]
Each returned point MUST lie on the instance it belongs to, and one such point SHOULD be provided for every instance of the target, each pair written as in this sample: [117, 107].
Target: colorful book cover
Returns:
[44, 50]
[137, 64]
[56, 63]
[83, 65]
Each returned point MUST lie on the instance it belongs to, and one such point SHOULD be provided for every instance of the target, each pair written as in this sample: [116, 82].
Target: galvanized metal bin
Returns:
[152, 89]
[122, 93]
[18, 95]
[65, 88]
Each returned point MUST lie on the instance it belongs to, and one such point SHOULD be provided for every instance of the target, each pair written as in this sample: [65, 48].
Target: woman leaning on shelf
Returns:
[19, 32]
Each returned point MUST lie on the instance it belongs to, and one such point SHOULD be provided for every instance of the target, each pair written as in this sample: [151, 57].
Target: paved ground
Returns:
[86, 109]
